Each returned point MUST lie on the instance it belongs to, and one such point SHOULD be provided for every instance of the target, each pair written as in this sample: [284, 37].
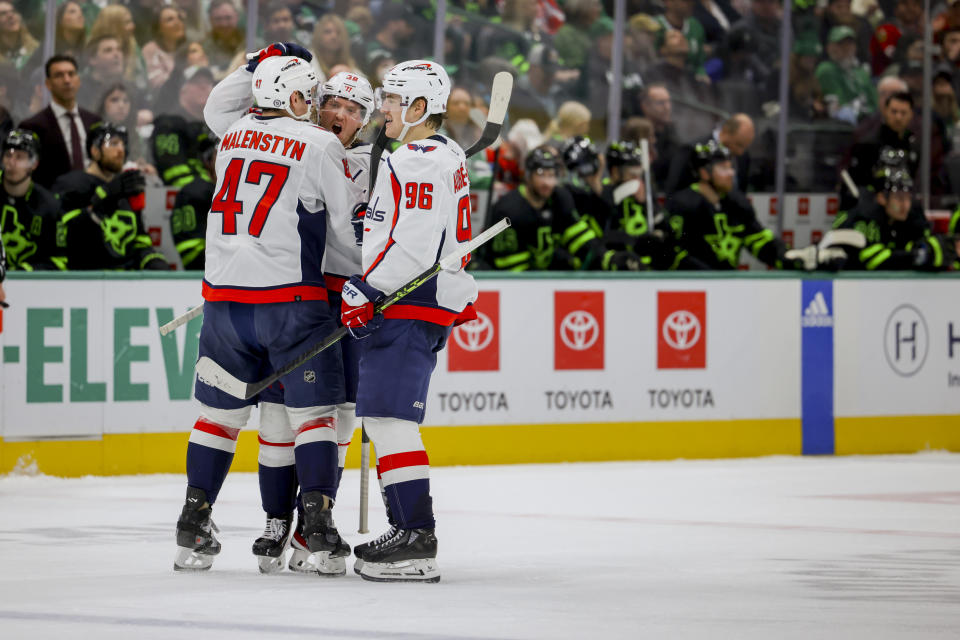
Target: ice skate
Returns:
[270, 547]
[320, 537]
[400, 555]
[196, 544]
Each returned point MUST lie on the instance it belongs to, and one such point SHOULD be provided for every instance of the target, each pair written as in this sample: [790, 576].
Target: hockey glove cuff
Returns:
[127, 184]
[277, 49]
[357, 220]
[357, 307]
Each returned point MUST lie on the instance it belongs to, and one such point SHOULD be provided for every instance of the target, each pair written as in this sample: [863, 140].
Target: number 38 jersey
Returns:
[418, 213]
[278, 179]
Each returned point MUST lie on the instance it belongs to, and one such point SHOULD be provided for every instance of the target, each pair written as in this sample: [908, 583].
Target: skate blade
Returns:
[268, 565]
[189, 560]
[420, 570]
[302, 561]
[357, 566]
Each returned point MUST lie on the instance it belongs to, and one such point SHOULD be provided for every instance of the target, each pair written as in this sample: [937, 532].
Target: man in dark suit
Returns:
[62, 126]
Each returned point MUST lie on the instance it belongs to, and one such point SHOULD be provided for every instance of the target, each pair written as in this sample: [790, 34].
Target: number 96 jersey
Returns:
[419, 212]
[277, 181]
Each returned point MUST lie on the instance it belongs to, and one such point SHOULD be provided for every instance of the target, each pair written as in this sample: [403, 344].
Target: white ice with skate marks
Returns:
[856, 547]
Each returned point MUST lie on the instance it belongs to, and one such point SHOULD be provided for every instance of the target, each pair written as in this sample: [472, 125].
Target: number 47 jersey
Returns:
[418, 213]
[278, 179]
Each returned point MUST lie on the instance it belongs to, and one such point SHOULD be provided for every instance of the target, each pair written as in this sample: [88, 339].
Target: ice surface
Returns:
[848, 547]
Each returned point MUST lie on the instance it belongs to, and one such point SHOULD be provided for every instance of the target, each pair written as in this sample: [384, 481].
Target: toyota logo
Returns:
[579, 330]
[476, 334]
[681, 330]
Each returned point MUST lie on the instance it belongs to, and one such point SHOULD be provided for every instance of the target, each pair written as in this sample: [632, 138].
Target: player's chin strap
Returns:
[306, 115]
[403, 119]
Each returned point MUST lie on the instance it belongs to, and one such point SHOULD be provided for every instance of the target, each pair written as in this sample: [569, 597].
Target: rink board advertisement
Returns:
[584, 368]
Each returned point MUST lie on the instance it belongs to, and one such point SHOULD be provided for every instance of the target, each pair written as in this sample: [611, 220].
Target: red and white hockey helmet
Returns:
[277, 77]
[350, 86]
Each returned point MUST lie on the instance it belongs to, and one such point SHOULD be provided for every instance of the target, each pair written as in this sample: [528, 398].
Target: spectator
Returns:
[116, 108]
[458, 124]
[672, 72]
[144, 13]
[678, 16]
[393, 36]
[195, 55]
[179, 133]
[331, 45]
[898, 235]
[735, 135]
[30, 212]
[225, 39]
[102, 227]
[105, 67]
[169, 33]
[193, 19]
[716, 17]
[538, 93]
[658, 108]
[598, 76]
[908, 20]
[742, 64]
[763, 25]
[117, 21]
[512, 39]
[846, 85]
[950, 52]
[806, 96]
[62, 125]
[947, 21]
[16, 43]
[9, 85]
[71, 29]
[838, 13]
[945, 106]
[573, 41]
[894, 133]
[573, 119]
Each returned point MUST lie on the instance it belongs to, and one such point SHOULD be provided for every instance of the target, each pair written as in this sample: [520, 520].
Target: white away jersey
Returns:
[342, 256]
[277, 181]
[419, 212]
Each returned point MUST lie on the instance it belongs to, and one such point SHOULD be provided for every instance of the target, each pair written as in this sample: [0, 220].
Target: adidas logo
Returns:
[817, 314]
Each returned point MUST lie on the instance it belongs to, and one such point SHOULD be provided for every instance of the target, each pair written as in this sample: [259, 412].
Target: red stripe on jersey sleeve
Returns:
[397, 194]
[400, 460]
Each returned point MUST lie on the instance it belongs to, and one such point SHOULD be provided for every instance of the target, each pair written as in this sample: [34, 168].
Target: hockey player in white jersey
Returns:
[418, 212]
[279, 178]
[343, 105]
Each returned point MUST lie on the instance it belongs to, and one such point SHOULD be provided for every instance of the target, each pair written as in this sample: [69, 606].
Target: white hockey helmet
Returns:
[417, 79]
[276, 78]
[353, 87]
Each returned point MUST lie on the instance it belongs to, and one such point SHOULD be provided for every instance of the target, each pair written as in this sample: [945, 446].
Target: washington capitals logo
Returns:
[424, 149]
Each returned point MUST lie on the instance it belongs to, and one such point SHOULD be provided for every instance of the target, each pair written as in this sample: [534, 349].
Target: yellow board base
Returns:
[122, 454]
[896, 434]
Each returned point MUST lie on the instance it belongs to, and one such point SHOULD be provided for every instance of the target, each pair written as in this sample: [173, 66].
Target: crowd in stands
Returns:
[700, 85]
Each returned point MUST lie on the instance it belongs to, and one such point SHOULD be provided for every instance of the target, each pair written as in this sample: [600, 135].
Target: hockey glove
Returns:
[277, 49]
[356, 219]
[933, 253]
[813, 258]
[127, 184]
[623, 261]
[356, 308]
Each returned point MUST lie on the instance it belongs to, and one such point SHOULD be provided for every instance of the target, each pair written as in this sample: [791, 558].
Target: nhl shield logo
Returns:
[309, 376]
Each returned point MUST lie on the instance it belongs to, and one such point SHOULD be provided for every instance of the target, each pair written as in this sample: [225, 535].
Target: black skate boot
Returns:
[196, 544]
[360, 549]
[321, 536]
[270, 547]
[408, 555]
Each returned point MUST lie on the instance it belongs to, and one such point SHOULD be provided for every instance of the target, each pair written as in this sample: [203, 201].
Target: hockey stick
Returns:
[364, 480]
[181, 320]
[499, 99]
[847, 180]
[214, 375]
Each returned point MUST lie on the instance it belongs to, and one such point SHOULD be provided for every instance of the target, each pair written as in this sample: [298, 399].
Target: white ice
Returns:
[847, 547]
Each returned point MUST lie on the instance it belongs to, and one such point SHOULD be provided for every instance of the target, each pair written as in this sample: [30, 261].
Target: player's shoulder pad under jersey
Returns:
[437, 149]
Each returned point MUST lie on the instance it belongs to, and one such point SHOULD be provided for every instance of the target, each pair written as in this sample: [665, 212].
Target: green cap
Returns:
[601, 27]
[841, 32]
